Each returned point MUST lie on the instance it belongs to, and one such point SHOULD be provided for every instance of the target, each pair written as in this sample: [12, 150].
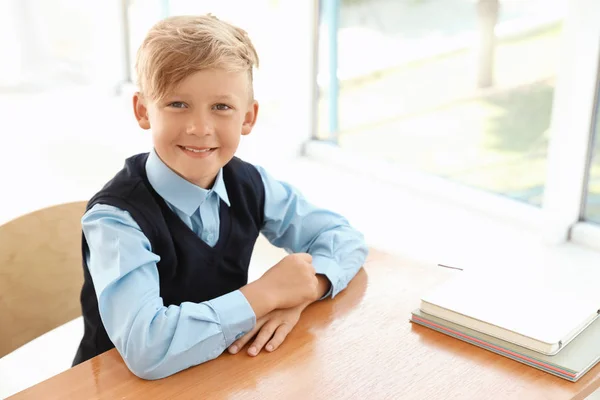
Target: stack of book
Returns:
[549, 324]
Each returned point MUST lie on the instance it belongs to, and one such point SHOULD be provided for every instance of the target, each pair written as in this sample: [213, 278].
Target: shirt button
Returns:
[210, 237]
[239, 335]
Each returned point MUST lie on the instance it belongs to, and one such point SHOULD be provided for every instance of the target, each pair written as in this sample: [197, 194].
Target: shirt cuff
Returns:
[330, 269]
[235, 314]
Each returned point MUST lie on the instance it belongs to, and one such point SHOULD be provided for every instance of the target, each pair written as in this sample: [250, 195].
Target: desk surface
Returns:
[359, 345]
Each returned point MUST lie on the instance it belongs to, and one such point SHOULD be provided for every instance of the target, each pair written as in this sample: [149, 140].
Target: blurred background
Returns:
[423, 85]
[461, 132]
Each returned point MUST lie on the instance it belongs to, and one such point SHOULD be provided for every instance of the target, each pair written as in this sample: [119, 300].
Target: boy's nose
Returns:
[200, 127]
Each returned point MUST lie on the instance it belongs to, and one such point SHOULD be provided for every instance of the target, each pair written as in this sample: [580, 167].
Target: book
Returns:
[541, 313]
[571, 363]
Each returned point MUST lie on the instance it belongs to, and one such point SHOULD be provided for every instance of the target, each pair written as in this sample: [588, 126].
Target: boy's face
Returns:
[196, 128]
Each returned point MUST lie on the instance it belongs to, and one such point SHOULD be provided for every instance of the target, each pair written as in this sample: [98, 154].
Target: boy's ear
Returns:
[141, 111]
[250, 118]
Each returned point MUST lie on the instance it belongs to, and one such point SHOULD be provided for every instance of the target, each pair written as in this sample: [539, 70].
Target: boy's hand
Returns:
[292, 281]
[272, 330]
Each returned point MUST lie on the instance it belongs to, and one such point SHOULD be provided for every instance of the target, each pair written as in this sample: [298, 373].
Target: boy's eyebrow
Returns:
[220, 97]
[226, 97]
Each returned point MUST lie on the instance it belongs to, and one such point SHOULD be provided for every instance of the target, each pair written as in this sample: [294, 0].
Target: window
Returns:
[429, 86]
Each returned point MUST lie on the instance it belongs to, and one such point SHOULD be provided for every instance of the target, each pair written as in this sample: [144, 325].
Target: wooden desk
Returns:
[358, 346]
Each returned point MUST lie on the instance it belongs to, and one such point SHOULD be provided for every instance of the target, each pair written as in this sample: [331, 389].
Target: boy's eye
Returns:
[177, 104]
[221, 107]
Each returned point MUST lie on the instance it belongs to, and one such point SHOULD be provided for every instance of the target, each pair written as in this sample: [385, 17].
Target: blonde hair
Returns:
[176, 47]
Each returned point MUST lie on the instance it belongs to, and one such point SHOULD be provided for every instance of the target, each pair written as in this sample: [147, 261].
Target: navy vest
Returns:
[189, 269]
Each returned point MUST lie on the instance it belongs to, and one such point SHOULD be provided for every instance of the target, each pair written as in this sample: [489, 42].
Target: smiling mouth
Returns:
[197, 151]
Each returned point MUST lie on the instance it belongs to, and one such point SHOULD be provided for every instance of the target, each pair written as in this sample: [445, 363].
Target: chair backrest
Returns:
[40, 273]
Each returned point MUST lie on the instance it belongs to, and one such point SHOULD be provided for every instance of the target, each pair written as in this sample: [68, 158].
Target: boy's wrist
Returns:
[268, 294]
[261, 300]
[324, 286]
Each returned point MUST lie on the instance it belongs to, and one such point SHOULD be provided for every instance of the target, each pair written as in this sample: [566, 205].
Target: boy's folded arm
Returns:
[294, 224]
[155, 341]
[338, 253]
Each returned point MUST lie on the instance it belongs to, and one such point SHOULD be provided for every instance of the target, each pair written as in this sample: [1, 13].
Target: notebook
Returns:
[539, 313]
[571, 363]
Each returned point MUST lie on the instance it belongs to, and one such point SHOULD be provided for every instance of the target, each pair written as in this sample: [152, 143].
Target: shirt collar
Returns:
[176, 190]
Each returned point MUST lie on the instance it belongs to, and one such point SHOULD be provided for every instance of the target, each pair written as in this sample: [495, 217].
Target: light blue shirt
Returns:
[156, 341]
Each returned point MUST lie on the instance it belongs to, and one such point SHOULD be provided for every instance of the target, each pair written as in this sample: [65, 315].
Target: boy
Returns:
[167, 242]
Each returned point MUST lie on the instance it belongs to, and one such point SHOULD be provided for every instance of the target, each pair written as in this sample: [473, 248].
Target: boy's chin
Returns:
[206, 180]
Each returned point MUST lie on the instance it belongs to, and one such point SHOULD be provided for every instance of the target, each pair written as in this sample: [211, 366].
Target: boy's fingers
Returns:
[262, 338]
[278, 338]
[241, 342]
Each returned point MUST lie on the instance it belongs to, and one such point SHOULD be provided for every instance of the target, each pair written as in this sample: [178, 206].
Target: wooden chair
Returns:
[40, 273]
